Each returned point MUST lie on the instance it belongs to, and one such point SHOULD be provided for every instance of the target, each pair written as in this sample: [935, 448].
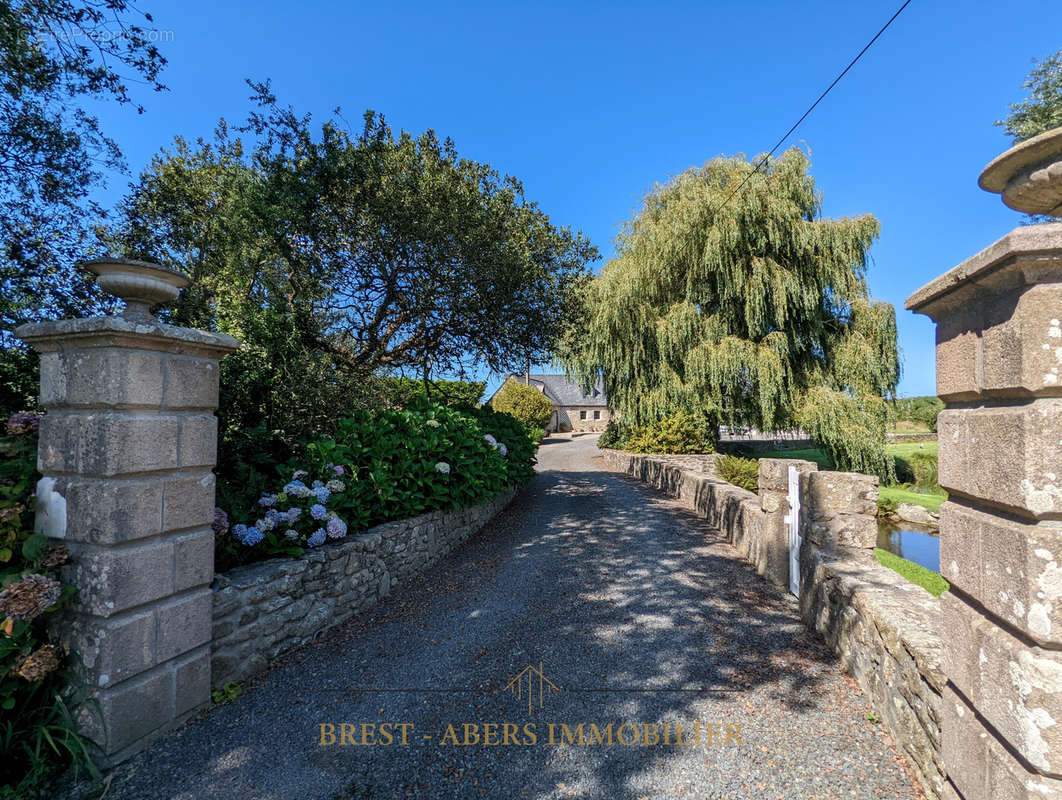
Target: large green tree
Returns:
[1042, 109]
[388, 251]
[338, 256]
[54, 55]
[748, 312]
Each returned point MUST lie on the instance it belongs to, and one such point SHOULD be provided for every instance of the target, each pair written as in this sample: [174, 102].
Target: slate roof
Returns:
[563, 392]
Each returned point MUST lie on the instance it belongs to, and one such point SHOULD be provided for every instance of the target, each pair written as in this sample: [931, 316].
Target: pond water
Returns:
[913, 542]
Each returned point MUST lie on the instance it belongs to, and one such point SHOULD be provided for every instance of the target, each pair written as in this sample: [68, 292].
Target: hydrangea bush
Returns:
[38, 736]
[376, 467]
[302, 514]
[408, 462]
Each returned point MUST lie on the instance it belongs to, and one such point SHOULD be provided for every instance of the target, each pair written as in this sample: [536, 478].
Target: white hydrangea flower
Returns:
[335, 486]
[432, 423]
[503, 449]
[442, 467]
[490, 439]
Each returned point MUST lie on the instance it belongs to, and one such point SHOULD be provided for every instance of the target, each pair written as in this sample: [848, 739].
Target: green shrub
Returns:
[520, 439]
[38, 736]
[524, 402]
[924, 467]
[904, 472]
[275, 397]
[743, 472]
[614, 436]
[918, 469]
[20, 377]
[887, 506]
[379, 466]
[677, 433]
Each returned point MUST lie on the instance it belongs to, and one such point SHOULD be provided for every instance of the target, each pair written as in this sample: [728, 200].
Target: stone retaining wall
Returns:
[266, 609]
[911, 437]
[885, 629]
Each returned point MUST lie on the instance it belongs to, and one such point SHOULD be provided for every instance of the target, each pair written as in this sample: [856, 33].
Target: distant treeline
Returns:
[404, 392]
[917, 409]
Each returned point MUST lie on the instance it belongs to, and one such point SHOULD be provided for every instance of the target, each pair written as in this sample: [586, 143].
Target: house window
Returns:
[597, 415]
[582, 415]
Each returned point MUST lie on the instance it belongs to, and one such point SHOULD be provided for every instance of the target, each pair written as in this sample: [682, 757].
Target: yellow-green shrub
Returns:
[678, 433]
[524, 402]
[743, 472]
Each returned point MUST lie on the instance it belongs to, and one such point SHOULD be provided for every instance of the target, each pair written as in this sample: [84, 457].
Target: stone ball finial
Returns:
[1029, 175]
[141, 284]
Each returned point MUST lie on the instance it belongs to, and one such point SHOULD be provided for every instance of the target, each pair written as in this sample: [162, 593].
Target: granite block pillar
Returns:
[127, 448]
[999, 358]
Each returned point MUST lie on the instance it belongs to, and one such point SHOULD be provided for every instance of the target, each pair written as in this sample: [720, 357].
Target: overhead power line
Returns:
[811, 108]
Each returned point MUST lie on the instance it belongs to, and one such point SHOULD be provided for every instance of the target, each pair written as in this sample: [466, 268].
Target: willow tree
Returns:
[751, 312]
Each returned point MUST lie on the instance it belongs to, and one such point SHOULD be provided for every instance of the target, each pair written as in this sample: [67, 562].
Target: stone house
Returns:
[573, 410]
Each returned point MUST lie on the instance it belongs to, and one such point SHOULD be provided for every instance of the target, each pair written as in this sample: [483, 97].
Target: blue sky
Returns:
[589, 106]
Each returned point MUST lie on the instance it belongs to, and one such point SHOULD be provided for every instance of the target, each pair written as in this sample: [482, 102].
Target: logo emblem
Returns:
[527, 680]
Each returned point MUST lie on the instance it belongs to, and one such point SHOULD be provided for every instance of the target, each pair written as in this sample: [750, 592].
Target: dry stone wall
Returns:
[264, 610]
[886, 632]
[884, 629]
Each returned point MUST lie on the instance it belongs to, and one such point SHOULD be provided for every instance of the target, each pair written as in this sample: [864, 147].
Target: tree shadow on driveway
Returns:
[637, 612]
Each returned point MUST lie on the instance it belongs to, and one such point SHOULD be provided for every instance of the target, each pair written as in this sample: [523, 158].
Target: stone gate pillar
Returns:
[127, 448]
[999, 370]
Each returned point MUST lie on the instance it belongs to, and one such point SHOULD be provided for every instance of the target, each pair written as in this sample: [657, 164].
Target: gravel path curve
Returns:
[633, 607]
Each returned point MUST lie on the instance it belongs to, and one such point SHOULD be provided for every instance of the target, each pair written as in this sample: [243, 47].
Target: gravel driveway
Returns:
[636, 612]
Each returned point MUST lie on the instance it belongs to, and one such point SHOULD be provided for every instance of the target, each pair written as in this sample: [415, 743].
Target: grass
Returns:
[896, 494]
[901, 449]
[932, 582]
[806, 454]
[908, 449]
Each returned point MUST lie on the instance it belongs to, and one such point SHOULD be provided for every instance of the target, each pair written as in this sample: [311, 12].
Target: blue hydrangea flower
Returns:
[267, 500]
[296, 489]
[318, 484]
[322, 494]
[289, 533]
[318, 538]
[292, 515]
[299, 474]
[336, 528]
[265, 524]
[247, 536]
[318, 511]
[338, 470]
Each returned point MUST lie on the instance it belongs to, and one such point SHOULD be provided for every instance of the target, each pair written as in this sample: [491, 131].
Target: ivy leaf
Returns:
[35, 547]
